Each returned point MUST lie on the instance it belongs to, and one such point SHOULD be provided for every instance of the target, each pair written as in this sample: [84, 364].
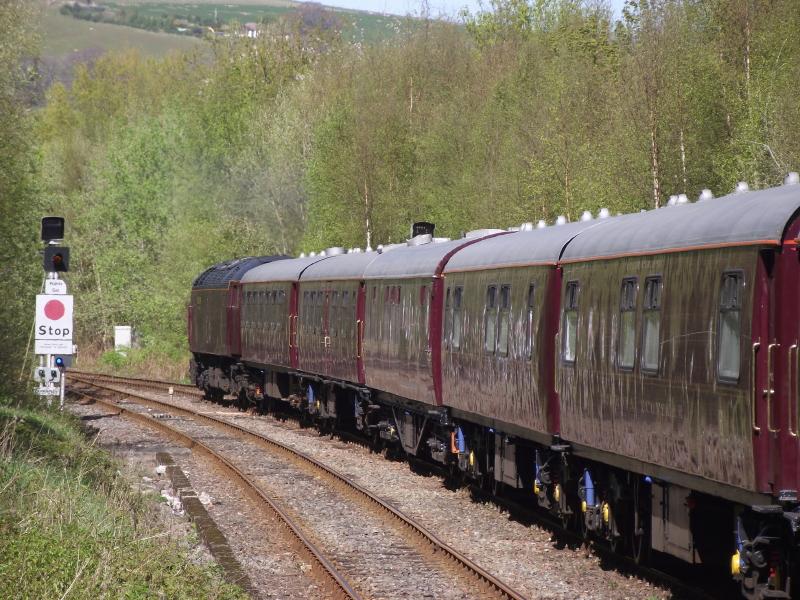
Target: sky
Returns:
[447, 7]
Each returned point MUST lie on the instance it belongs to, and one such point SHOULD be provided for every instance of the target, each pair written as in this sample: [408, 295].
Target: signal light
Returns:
[56, 259]
[63, 361]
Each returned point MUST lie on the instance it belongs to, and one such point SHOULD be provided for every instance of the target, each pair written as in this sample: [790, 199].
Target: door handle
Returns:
[770, 391]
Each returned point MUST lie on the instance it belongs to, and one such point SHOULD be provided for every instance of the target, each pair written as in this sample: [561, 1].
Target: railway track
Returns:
[404, 538]
[334, 584]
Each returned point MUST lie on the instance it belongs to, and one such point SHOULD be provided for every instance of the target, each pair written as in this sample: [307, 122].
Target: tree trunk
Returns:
[367, 224]
[654, 166]
[683, 162]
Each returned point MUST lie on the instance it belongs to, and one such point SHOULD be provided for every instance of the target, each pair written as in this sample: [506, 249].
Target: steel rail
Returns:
[325, 571]
[484, 579]
[154, 384]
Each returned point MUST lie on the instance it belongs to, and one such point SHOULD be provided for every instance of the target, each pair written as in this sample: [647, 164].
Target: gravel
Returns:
[523, 556]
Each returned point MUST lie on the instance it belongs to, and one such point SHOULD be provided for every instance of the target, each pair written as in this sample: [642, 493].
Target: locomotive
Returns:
[636, 376]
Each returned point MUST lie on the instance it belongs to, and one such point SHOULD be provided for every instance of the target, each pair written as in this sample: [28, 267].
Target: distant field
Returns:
[62, 35]
[358, 26]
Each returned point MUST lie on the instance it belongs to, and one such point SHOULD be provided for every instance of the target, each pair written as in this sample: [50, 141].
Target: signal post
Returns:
[53, 327]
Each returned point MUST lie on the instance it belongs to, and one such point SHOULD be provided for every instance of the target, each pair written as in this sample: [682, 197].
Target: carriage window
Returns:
[490, 319]
[570, 322]
[312, 312]
[503, 320]
[529, 322]
[448, 318]
[626, 348]
[729, 342]
[333, 314]
[458, 319]
[651, 333]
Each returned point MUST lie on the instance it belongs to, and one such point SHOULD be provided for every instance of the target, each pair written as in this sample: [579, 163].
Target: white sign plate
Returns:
[48, 391]
[55, 286]
[53, 317]
[53, 347]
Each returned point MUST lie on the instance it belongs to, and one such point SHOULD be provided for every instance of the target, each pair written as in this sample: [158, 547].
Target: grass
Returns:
[70, 525]
[63, 35]
[159, 362]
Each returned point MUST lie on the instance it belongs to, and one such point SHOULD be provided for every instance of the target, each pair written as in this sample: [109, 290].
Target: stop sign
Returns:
[54, 317]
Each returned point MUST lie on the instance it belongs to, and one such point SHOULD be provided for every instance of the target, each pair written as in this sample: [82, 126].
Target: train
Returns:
[636, 376]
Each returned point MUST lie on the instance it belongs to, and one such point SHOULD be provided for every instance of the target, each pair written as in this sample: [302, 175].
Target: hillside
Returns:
[63, 35]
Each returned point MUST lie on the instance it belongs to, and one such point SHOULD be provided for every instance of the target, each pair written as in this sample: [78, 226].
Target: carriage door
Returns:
[325, 356]
[293, 310]
[786, 360]
[360, 314]
[234, 320]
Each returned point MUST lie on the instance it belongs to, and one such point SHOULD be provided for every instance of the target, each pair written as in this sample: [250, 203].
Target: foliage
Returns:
[19, 204]
[70, 523]
[300, 140]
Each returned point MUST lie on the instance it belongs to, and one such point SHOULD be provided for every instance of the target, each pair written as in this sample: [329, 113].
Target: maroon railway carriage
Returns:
[500, 322]
[213, 322]
[404, 309]
[331, 316]
[678, 359]
[269, 332]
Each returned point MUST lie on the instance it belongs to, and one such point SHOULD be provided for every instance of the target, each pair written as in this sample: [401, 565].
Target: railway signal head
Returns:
[52, 228]
[56, 259]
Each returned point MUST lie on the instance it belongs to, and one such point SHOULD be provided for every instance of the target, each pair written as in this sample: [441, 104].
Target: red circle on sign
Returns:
[54, 310]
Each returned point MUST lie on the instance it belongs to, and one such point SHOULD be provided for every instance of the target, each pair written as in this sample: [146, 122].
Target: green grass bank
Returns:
[71, 526]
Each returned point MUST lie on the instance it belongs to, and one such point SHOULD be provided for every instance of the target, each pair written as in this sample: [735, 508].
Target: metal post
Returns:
[49, 384]
[63, 386]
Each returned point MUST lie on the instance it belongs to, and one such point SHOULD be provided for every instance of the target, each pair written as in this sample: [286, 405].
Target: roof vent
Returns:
[706, 194]
[561, 220]
[742, 187]
[527, 226]
[480, 233]
[792, 179]
[440, 240]
[586, 216]
[682, 199]
[302, 255]
[420, 240]
[368, 249]
[380, 249]
[541, 224]
[673, 200]
[422, 228]
[604, 213]
[334, 251]
[312, 254]
[512, 229]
